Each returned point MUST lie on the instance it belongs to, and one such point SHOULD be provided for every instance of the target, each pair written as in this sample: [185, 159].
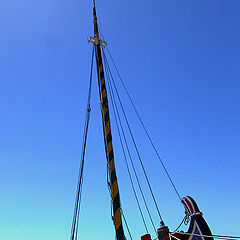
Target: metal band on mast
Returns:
[117, 216]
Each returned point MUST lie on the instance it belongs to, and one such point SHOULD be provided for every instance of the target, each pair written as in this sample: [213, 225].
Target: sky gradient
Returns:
[180, 62]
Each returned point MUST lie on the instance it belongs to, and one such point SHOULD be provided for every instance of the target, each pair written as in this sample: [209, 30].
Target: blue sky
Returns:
[180, 62]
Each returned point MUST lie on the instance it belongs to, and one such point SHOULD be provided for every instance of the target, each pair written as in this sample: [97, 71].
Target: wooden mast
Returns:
[117, 214]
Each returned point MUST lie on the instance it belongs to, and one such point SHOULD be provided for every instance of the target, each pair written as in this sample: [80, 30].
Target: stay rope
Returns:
[118, 122]
[129, 154]
[75, 222]
[136, 148]
[143, 125]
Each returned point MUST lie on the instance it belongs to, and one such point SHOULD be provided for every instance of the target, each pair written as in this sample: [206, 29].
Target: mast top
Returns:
[96, 40]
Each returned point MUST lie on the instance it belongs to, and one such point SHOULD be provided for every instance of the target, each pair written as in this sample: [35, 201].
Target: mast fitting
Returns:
[97, 41]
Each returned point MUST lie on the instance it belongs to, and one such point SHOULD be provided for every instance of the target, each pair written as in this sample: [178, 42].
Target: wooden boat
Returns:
[198, 228]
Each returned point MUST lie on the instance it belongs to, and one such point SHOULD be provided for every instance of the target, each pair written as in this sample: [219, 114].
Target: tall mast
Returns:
[117, 215]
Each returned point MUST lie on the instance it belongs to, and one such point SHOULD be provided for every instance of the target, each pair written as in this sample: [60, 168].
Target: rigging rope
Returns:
[144, 127]
[75, 222]
[120, 137]
[131, 161]
[106, 64]
[184, 219]
[107, 72]
[136, 148]
[124, 219]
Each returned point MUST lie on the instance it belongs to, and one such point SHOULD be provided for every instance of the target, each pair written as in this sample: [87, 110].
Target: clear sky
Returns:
[180, 61]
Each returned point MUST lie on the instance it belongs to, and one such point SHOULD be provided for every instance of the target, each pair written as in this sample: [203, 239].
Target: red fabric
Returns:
[146, 237]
